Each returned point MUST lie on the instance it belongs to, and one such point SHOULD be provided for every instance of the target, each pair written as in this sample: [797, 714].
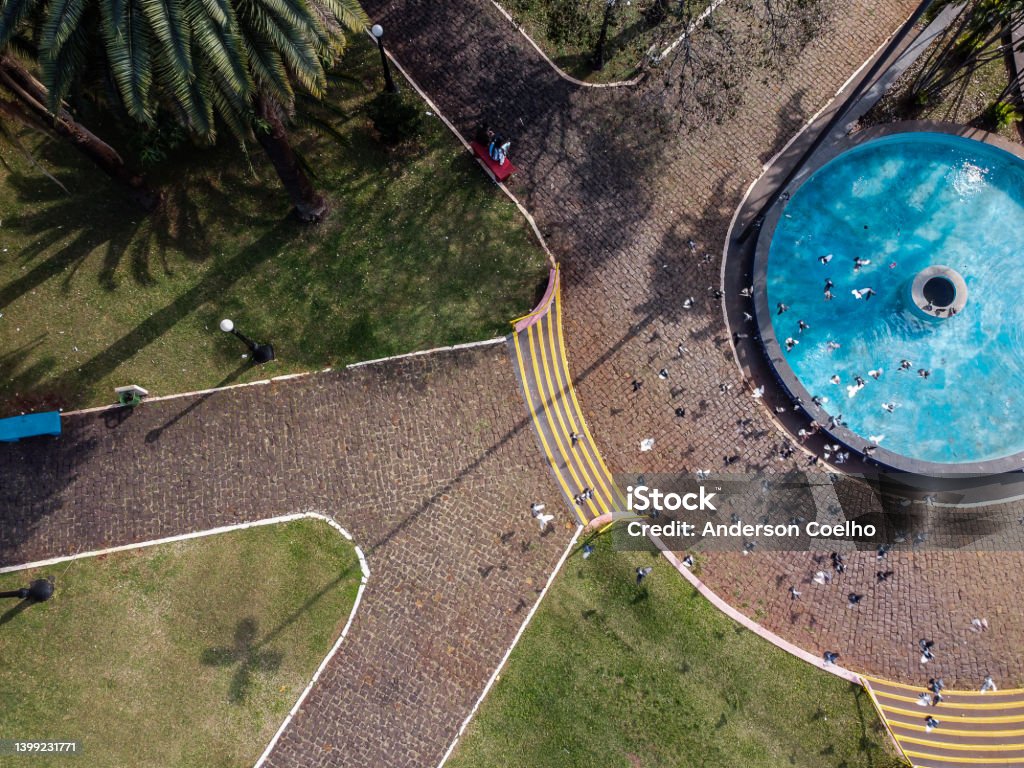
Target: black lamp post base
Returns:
[262, 353]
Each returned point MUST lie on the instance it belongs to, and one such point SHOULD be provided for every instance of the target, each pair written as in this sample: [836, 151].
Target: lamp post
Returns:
[378, 32]
[261, 353]
[38, 591]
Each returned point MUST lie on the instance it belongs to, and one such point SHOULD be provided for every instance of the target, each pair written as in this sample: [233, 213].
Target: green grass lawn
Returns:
[611, 675]
[179, 655]
[421, 250]
[568, 31]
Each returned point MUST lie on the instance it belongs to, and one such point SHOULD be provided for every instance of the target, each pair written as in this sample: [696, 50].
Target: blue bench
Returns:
[29, 425]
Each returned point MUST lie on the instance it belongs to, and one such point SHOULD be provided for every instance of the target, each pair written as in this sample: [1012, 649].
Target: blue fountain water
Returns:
[907, 202]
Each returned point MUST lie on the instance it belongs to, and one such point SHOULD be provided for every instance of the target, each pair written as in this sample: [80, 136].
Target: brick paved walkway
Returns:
[618, 201]
[435, 488]
[404, 464]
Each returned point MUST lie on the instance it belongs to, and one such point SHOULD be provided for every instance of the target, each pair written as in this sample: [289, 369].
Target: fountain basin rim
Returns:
[773, 349]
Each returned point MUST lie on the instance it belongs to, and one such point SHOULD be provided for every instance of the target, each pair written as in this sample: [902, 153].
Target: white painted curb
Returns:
[468, 345]
[749, 623]
[515, 641]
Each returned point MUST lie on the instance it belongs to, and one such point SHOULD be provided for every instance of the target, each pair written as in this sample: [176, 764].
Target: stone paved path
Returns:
[414, 457]
[435, 486]
[618, 201]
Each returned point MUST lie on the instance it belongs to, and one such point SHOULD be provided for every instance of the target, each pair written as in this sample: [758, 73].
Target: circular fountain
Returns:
[887, 295]
[937, 293]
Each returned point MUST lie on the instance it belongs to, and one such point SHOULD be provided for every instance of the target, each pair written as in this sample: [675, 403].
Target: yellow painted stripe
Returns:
[960, 760]
[550, 404]
[919, 689]
[562, 377]
[964, 747]
[956, 731]
[923, 712]
[572, 391]
[536, 423]
[551, 423]
[961, 704]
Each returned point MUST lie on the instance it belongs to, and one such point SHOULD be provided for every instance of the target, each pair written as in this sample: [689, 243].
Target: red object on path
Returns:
[501, 172]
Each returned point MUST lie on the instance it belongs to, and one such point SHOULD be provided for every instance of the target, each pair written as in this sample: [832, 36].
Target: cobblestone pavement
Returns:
[435, 487]
[619, 193]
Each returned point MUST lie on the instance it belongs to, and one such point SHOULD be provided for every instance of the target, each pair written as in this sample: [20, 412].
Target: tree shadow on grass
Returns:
[251, 652]
[247, 653]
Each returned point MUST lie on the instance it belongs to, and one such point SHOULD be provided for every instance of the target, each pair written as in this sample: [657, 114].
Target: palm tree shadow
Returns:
[247, 653]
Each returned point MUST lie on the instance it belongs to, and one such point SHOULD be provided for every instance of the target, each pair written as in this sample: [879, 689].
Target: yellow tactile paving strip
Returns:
[539, 351]
[975, 729]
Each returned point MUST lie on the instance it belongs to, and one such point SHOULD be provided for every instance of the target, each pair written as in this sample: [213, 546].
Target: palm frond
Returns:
[128, 43]
[269, 70]
[12, 12]
[349, 13]
[61, 67]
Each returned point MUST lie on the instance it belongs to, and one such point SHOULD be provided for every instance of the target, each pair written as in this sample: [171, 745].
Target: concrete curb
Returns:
[558, 70]
[749, 623]
[288, 376]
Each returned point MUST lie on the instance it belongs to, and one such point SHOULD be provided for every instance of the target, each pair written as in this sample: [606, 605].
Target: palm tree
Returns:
[238, 63]
[24, 99]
